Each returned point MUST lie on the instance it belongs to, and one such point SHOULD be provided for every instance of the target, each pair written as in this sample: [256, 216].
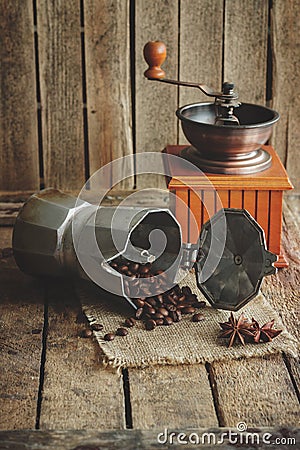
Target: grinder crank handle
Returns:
[155, 53]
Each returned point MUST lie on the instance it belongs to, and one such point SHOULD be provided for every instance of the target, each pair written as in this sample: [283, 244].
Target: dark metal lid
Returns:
[232, 259]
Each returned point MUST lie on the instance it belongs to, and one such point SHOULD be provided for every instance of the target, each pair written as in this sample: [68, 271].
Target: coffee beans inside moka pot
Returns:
[163, 307]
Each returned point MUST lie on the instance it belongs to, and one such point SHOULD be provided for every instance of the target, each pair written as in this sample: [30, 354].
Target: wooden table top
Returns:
[52, 379]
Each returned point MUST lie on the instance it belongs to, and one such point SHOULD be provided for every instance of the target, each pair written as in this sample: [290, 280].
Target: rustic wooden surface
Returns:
[59, 43]
[155, 103]
[52, 378]
[286, 86]
[21, 325]
[74, 96]
[109, 114]
[246, 27]
[200, 22]
[18, 107]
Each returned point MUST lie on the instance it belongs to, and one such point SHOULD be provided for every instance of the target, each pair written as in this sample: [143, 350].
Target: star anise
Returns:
[236, 329]
[265, 333]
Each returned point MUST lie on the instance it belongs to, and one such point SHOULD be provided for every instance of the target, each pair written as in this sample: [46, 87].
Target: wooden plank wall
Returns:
[73, 94]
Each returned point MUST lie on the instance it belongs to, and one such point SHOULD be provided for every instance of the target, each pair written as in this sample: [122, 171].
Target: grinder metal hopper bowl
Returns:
[226, 135]
[51, 227]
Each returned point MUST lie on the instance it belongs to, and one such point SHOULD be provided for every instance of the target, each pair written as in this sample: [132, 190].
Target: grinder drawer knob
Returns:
[155, 53]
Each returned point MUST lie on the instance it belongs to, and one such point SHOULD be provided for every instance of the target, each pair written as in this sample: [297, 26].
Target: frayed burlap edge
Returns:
[182, 343]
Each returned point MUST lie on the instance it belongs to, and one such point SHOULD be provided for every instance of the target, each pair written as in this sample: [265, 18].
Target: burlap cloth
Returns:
[184, 342]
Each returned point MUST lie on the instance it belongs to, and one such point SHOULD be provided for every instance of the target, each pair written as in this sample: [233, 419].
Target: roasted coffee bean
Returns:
[159, 299]
[201, 304]
[171, 307]
[114, 265]
[178, 315]
[130, 322]
[149, 310]
[175, 316]
[144, 269]
[122, 332]
[159, 272]
[109, 337]
[139, 302]
[151, 301]
[188, 310]
[134, 267]
[139, 313]
[86, 333]
[186, 290]
[159, 322]
[158, 316]
[97, 326]
[171, 299]
[168, 321]
[192, 298]
[123, 269]
[198, 317]
[163, 311]
[150, 324]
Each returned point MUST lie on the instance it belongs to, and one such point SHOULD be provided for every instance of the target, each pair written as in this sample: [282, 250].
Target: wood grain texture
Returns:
[257, 391]
[21, 324]
[200, 49]
[155, 103]
[182, 212]
[8, 213]
[5, 237]
[58, 25]
[282, 289]
[245, 48]
[195, 215]
[236, 199]
[78, 392]
[286, 84]
[107, 50]
[18, 107]
[172, 397]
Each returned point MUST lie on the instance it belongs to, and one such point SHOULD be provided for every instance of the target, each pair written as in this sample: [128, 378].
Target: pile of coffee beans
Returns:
[161, 309]
[153, 309]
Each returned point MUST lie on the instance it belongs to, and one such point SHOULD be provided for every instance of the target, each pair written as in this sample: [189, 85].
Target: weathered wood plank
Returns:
[18, 107]
[58, 25]
[8, 213]
[155, 103]
[5, 237]
[200, 49]
[78, 392]
[209, 439]
[286, 84]
[108, 82]
[282, 289]
[21, 323]
[245, 48]
[257, 391]
[171, 396]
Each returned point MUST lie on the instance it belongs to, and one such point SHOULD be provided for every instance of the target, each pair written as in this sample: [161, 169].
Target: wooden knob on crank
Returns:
[155, 53]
